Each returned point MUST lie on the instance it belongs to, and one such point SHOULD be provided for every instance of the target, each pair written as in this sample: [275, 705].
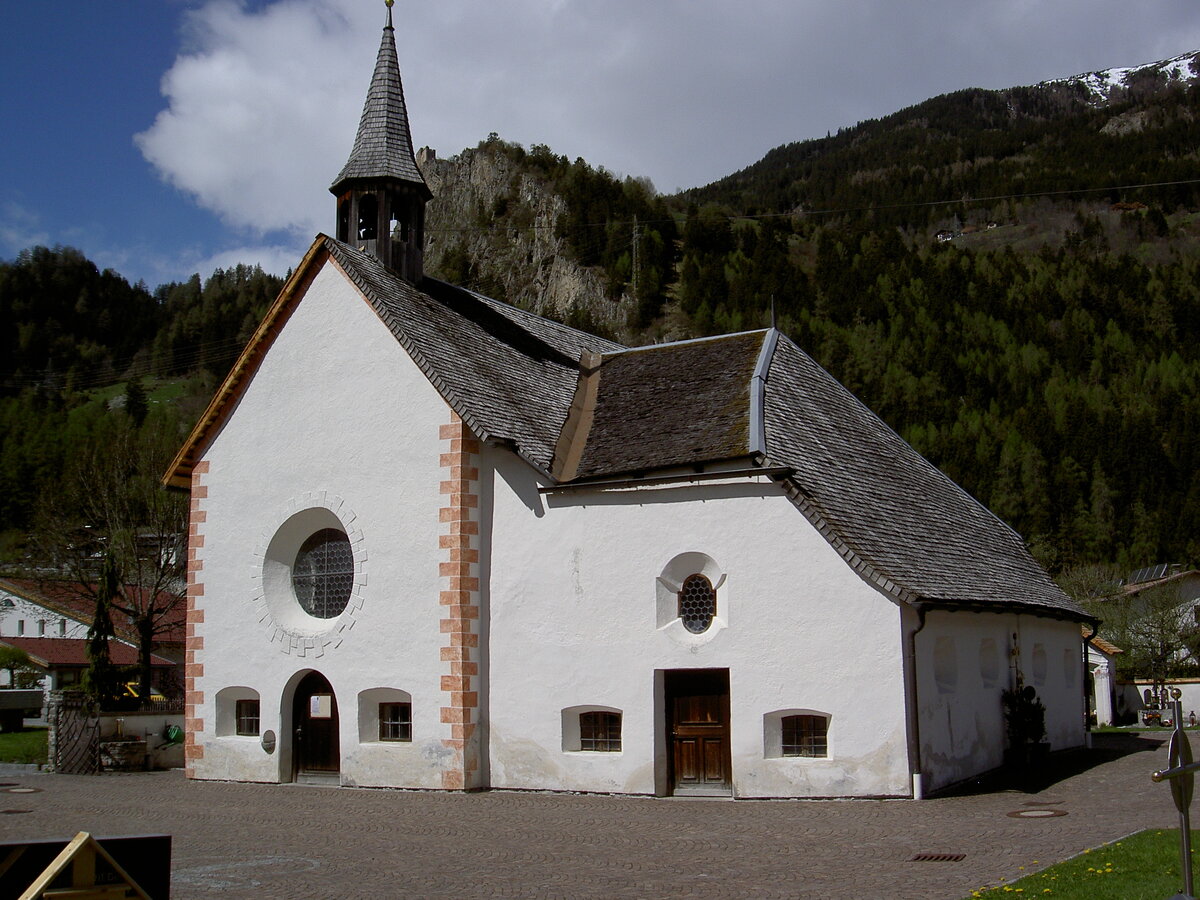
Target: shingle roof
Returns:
[680, 403]
[509, 374]
[1104, 646]
[73, 601]
[514, 377]
[891, 507]
[73, 652]
[383, 144]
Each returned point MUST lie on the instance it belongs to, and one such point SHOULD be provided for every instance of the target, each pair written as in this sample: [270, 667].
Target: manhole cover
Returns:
[1037, 813]
[13, 812]
[938, 857]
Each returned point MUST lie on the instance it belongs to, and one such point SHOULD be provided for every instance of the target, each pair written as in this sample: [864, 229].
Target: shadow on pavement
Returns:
[1106, 747]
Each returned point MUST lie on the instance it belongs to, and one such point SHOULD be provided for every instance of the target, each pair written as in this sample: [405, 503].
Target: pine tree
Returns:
[100, 677]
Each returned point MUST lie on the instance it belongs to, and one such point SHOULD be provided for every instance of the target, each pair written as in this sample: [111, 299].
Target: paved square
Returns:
[266, 841]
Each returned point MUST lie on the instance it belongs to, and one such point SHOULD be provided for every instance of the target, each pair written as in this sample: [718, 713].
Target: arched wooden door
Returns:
[315, 727]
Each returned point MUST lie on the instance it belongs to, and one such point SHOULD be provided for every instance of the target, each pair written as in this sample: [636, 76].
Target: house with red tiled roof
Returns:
[55, 610]
[439, 542]
[63, 660]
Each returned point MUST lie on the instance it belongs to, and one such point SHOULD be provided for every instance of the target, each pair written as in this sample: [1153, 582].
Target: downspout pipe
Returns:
[1087, 722]
[913, 718]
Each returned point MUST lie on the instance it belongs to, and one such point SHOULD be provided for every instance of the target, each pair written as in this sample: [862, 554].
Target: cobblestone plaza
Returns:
[267, 841]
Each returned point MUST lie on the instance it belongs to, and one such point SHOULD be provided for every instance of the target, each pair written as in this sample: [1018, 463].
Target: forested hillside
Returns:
[1043, 350]
[86, 354]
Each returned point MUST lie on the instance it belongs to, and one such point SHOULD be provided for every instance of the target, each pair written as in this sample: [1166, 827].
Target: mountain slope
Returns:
[975, 151]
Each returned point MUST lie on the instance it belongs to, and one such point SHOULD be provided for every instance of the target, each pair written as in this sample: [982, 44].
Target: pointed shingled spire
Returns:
[383, 145]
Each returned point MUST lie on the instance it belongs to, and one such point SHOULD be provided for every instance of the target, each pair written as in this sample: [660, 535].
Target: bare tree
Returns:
[1155, 628]
[111, 507]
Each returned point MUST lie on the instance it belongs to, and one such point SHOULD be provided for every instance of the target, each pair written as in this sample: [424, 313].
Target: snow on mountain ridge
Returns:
[1101, 86]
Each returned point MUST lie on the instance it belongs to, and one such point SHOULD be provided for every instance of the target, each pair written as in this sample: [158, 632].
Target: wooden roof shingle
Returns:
[580, 408]
[383, 143]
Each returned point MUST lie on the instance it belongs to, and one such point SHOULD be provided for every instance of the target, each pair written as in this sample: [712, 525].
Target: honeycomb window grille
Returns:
[323, 574]
[805, 736]
[697, 603]
[600, 732]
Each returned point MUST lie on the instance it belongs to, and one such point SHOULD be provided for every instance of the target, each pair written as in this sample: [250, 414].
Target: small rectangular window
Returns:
[62, 627]
[805, 736]
[395, 721]
[20, 626]
[600, 731]
[247, 717]
[41, 627]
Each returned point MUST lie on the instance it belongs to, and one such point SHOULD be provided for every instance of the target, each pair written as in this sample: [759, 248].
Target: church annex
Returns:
[439, 542]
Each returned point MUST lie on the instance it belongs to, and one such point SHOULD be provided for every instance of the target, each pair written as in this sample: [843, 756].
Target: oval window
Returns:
[697, 603]
[323, 574]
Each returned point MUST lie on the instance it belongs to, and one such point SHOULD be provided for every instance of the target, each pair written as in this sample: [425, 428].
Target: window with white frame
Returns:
[238, 712]
[591, 728]
[385, 716]
[796, 734]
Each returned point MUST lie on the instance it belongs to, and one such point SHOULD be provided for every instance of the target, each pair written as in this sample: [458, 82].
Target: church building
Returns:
[439, 542]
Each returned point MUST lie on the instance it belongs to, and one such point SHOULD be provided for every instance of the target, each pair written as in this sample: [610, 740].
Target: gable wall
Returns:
[965, 660]
[574, 620]
[337, 422]
[31, 614]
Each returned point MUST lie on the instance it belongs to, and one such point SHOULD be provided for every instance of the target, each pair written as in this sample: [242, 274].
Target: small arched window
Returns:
[600, 731]
[697, 603]
[805, 735]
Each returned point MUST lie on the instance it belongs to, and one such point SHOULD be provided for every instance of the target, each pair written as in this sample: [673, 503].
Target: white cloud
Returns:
[20, 228]
[276, 259]
[258, 109]
[263, 105]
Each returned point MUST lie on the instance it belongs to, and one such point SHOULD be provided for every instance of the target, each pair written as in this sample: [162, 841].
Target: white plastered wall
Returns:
[575, 622]
[21, 618]
[965, 660]
[339, 422]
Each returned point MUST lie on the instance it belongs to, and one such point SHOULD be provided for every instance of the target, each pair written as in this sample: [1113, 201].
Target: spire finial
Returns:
[388, 4]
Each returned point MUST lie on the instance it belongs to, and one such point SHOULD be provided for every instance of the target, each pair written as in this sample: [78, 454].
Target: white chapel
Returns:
[439, 542]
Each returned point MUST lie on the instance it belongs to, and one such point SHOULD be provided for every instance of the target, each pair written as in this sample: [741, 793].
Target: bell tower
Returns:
[380, 192]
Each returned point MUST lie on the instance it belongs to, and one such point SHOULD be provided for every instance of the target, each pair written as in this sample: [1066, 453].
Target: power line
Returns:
[835, 210]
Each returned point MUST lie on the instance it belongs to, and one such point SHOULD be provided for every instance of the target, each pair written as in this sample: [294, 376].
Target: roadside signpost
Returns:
[1179, 773]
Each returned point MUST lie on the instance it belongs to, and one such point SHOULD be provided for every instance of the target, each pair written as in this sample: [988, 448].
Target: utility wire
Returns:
[477, 229]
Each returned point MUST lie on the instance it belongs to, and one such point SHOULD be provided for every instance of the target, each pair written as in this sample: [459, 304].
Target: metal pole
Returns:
[1185, 823]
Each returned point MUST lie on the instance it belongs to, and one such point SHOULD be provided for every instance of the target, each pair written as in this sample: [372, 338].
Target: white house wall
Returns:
[339, 422]
[965, 661]
[21, 618]
[574, 622]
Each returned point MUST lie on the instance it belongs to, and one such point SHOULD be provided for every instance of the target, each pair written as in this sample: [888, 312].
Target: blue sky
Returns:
[165, 137]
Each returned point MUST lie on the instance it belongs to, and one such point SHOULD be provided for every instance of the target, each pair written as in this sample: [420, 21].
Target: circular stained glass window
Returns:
[697, 603]
[323, 574]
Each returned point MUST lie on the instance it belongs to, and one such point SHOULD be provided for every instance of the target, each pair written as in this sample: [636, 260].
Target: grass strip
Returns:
[1143, 866]
[25, 746]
